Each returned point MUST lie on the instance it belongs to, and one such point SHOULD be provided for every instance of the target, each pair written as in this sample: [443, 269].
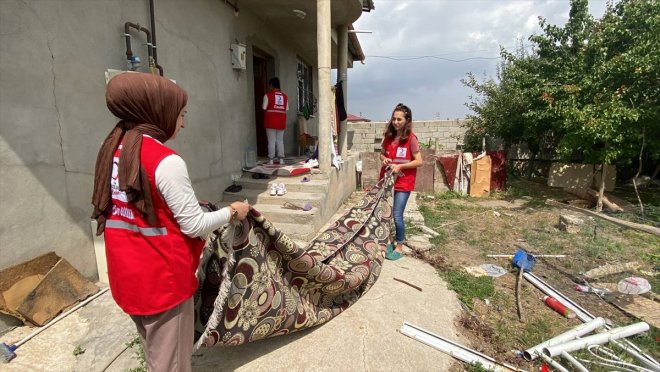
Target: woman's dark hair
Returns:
[275, 82]
[390, 131]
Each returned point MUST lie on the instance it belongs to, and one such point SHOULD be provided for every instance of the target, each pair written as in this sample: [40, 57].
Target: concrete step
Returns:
[258, 196]
[277, 214]
[293, 184]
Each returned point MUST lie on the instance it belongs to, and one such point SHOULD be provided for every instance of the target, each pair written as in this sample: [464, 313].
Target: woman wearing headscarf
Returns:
[152, 222]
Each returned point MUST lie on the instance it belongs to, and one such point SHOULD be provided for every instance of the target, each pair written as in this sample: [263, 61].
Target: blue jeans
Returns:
[400, 201]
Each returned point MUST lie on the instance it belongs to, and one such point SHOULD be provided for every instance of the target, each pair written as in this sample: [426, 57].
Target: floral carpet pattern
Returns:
[256, 283]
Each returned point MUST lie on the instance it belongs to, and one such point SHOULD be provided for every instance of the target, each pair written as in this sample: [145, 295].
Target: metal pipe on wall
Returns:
[152, 19]
[127, 35]
[342, 79]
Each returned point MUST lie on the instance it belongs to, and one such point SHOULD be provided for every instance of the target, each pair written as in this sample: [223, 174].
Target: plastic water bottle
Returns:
[582, 288]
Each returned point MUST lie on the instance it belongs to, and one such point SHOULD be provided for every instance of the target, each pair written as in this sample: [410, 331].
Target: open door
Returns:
[260, 87]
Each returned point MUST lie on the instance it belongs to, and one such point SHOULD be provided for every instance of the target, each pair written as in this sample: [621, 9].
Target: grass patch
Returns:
[648, 342]
[439, 240]
[536, 331]
[78, 350]
[476, 367]
[468, 287]
[652, 258]
[139, 352]
[449, 195]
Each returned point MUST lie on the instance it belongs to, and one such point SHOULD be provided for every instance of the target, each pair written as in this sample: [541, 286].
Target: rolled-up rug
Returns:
[257, 283]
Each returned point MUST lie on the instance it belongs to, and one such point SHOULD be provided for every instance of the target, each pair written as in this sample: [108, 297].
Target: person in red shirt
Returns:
[275, 105]
[400, 151]
[153, 224]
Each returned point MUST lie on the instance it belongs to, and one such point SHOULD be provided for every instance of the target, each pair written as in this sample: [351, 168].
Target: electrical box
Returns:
[238, 56]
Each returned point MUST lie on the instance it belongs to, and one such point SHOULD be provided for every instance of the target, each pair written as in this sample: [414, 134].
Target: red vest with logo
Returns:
[400, 154]
[275, 114]
[151, 268]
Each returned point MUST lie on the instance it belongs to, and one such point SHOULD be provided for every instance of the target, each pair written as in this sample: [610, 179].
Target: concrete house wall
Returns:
[53, 55]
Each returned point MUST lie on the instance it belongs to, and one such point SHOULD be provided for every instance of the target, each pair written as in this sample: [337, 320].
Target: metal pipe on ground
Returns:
[455, 350]
[581, 330]
[597, 339]
[628, 348]
[574, 362]
[585, 316]
[581, 313]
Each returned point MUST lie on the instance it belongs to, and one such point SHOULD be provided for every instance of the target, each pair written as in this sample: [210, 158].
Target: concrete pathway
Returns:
[365, 337]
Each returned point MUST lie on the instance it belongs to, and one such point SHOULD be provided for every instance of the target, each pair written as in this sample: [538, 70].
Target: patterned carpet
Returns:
[257, 283]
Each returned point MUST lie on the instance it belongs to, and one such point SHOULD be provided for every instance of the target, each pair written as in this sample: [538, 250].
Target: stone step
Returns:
[293, 184]
[278, 214]
[259, 196]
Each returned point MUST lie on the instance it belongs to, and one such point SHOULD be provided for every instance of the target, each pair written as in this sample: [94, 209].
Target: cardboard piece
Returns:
[580, 176]
[480, 181]
[59, 287]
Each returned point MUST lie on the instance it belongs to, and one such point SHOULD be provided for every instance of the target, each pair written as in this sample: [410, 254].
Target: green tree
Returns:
[590, 88]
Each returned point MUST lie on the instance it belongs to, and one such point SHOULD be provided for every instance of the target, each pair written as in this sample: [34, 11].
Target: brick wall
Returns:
[440, 134]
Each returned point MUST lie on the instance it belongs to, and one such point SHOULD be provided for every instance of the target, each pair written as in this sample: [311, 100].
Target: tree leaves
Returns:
[589, 89]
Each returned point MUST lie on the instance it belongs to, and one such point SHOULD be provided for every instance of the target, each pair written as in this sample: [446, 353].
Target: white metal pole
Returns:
[573, 361]
[581, 330]
[597, 339]
[553, 363]
[323, 42]
[457, 351]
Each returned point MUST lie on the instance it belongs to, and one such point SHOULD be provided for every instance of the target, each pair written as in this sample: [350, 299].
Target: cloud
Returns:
[469, 31]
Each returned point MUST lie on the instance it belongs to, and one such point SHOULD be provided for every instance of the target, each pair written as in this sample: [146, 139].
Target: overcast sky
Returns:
[469, 32]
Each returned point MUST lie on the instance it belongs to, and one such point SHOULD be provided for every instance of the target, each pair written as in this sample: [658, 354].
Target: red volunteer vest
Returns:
[151, 268]
[275, 114]
[400, 154]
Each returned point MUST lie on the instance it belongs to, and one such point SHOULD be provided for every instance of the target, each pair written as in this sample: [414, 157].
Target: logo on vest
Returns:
[401, 152]
[114, 183]
[279, 100]
[123, 212]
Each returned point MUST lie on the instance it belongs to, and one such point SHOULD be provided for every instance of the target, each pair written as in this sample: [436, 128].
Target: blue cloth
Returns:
[400, 201]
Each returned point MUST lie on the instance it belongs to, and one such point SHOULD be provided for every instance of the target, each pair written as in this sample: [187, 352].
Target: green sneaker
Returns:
[390, 248]
[393, 256]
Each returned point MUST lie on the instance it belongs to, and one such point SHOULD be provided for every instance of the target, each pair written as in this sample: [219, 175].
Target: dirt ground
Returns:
[472, 228]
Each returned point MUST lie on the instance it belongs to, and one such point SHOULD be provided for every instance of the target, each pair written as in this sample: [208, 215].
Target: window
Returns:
[305, 88]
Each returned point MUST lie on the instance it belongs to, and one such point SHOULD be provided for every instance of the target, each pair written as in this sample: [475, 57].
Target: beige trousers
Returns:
[167, 338]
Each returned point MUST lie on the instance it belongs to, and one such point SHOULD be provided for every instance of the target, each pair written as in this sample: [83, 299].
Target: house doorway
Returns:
[262, 65]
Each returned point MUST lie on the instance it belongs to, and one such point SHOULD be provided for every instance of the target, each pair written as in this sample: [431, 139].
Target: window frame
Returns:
[304, 87]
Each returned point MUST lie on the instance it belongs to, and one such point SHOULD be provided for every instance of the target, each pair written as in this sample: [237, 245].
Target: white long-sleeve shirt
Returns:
[174, 184]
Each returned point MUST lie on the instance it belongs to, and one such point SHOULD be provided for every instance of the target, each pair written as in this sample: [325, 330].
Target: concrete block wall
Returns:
[439, 134]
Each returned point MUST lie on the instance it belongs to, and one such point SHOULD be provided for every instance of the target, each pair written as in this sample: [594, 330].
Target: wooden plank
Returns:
[425, 173]
[62, 287]
[631, 225]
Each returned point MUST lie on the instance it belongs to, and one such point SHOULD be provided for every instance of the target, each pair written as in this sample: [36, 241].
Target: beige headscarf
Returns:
[146, 104]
